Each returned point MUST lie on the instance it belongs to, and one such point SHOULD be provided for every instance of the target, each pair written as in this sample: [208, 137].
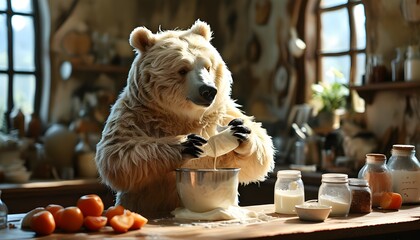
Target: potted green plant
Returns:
[327, 98]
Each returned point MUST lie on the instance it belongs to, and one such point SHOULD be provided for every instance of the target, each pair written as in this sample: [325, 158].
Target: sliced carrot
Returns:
[390, 201]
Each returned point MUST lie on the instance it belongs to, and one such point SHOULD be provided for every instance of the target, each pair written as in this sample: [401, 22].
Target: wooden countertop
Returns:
[269, 225]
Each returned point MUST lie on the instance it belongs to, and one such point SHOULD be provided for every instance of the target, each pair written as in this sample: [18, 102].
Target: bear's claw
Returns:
[192, 145]
[239, 130]
[236, 122]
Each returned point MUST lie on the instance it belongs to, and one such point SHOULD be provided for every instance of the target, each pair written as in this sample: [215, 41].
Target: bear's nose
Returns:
[207, 92]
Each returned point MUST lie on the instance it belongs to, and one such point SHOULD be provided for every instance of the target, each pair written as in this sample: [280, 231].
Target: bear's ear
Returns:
[201, 28]
[142, 39]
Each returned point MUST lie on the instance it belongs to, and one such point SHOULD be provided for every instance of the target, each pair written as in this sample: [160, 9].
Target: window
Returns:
[20, 72]
[341, 49]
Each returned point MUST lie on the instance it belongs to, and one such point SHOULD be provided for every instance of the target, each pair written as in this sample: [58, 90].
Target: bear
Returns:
[177, 94]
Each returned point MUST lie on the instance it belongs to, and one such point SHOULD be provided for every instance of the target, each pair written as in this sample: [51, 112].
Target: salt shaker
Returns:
[288, 191]
[335, 192]
[405, 172]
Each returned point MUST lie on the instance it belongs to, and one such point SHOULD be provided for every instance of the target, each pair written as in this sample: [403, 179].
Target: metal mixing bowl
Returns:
[203, 190]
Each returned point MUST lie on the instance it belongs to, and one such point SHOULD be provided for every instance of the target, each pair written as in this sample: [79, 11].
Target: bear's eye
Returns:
[183, 71]
[208, 68]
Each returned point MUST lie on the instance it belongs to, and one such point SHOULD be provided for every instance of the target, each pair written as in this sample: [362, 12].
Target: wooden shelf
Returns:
[368, 91]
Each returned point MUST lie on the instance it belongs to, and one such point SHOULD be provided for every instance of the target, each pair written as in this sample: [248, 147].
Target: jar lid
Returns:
[402, 149]
[358, 182]
[375, 158]
[334, 178]
[289, 174]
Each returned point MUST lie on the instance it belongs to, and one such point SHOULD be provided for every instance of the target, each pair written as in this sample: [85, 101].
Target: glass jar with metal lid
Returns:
[335, 192]
[405, 172]
[376, 172]
[361, 201]
[288, 191]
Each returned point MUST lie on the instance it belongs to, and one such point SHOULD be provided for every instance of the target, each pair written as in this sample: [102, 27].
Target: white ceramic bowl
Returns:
[203, 190]
[313, 211]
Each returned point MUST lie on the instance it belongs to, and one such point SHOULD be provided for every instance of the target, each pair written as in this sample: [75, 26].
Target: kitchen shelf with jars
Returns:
[403, 79]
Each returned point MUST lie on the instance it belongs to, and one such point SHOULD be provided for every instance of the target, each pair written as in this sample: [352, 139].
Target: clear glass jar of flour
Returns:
[335, 192]
[288, 191]
[405, 172]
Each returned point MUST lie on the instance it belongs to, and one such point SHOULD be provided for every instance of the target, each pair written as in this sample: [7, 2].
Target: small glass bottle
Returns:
[335, 192]
[3, 214]
[17, 119]
[412, 64]
[361, 201]
[288, 191]
[397, 65]
[377, 174]
[405, 172]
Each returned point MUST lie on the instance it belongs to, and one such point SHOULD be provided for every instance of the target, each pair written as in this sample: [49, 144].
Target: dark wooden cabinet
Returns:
[21, 198]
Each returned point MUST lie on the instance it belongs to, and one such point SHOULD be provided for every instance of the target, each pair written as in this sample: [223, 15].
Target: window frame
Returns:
[10, 71]
[353, 52]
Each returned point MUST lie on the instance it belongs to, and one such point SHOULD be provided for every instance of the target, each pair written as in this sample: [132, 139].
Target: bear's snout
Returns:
[207, 92]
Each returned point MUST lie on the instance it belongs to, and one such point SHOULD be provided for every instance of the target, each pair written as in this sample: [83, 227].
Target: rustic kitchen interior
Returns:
[330, 80]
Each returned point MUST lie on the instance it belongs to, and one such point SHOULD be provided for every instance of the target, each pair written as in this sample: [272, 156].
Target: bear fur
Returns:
[147, 134]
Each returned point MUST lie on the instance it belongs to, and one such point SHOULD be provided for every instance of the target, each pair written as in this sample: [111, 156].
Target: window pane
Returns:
[3, 5]
[335, 31]
[4, 60]
[22, 6]
[23, 43]
[3, 92]
[3, 99]
[332, 3]
[336, 69]
[360, 21]
[24, 93]
[360, 68]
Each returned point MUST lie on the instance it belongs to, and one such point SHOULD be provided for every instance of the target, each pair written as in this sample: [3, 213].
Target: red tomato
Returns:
[391, 201]
[43, 223]
[114, 210]
[70, 219]
[121, 223]
[93, 223]
[53, 209]
[90, 205]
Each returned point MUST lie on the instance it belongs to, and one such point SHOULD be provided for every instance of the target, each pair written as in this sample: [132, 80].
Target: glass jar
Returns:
[412, 64]
[405, 172]
[376, 69]
[397, 65]
[288, 191]
[3, 214]
[377, 174]
[361, 201]
[335, 192]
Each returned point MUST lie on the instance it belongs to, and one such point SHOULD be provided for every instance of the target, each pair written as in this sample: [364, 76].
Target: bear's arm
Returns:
[255, 156]
[127, 162]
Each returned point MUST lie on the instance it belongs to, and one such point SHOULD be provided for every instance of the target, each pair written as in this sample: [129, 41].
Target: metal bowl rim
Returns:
[207, 169]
